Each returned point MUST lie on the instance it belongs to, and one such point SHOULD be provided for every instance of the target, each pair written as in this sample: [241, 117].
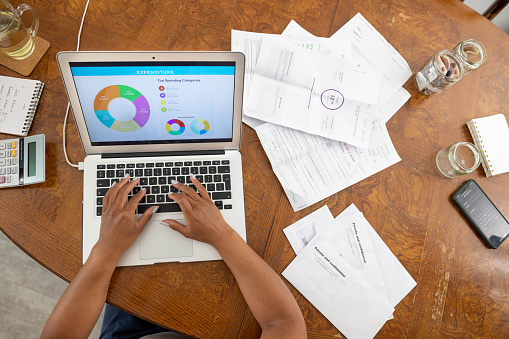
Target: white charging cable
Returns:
[80, 165]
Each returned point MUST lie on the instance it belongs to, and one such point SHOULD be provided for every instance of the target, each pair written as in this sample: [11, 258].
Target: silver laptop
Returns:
[158, 116]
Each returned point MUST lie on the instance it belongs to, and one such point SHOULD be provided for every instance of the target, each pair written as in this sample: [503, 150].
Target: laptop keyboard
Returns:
[156, 178]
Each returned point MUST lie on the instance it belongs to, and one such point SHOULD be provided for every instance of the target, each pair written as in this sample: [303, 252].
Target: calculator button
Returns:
[9, 146]
[13, 153]
[2, 154]
[8, 179]
[2, 162]
[14, 161]
[14, 170]
[8, 170]
[2, 179]
[2, 146]
[13, 144]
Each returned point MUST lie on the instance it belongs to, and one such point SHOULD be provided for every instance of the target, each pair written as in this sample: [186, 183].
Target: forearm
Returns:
[268, 297]
[78, 309]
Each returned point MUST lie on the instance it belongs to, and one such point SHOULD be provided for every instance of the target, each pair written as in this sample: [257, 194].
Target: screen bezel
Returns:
[65, 58]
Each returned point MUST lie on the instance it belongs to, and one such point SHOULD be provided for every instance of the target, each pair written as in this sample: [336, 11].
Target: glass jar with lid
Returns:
[473, 54]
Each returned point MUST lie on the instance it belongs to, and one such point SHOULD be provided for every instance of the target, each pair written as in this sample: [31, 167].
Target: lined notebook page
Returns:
[18, 102]
[491, 136]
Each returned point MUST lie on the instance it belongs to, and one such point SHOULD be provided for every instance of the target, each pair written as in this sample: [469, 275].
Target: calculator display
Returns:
[483, 215]
[32, 159]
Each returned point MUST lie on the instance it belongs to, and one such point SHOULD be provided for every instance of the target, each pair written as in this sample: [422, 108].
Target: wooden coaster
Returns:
[26, 66]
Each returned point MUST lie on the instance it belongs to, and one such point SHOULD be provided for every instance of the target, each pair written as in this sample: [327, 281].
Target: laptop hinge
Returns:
[161, 154]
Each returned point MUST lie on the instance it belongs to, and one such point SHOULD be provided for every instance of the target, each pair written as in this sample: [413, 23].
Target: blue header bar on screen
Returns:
[153, 70]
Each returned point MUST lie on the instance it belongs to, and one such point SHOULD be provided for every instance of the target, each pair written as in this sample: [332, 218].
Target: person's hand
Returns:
[204, 221]
[119, 228]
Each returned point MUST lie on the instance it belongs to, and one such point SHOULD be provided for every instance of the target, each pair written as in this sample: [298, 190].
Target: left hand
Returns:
[119, 228]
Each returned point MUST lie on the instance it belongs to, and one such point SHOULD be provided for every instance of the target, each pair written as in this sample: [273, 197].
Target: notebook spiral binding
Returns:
[472, 126]
[33, 107]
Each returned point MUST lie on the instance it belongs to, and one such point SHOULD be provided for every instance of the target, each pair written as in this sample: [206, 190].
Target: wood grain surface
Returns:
[462, 286]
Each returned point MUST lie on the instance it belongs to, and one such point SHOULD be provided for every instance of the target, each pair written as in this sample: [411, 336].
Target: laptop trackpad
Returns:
[159, 242]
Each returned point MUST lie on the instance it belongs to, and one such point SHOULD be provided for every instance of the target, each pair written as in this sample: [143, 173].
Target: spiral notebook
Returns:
[18, 102]
[491, 136]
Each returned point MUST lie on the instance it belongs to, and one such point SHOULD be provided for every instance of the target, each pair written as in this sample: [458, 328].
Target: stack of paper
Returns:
[346, 271]
[319, 105]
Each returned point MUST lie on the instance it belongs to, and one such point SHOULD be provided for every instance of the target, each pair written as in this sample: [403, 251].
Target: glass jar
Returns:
[473, 54]
[442, 70]
[458, 159]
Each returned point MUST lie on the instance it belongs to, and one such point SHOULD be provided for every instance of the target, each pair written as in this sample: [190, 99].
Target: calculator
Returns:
[22, 161]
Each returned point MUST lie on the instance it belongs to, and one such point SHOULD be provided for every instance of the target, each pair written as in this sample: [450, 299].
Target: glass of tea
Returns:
[16, 40]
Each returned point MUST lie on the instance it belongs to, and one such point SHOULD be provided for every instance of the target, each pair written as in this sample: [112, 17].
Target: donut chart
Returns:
[205, 129]
[110, 93]
[174, 122]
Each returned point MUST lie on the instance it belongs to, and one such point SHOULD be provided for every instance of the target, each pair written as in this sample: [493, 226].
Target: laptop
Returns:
[158, 116]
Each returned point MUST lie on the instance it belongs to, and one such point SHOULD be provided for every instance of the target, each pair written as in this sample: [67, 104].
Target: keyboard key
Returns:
[188, 163]
[115, 180]
[152, 181]
[130, 172]
[143, 181]
[219, 204]
[149, 165]
[199, 178]
[159, 164]
[185, 171]
[212, 170]
[160, 198]
[101, 166]
[99, 201]
[220, 186]
[158, 172]
[195, 170]
[227, 182]
[217, 178]
[120, 173]
[138, 172]
[197, 163]
[166, 171]
[103, 183]
[211, 187]
[168, 164]
[120, 165]
[110, 166]
[101, 174]
[181, 179]
[188, 180]
[147, 188]
[101, 192]
[207, 163]
[216, 162]
[203, 170]
[156, 189]
[178, 164]
[165, 189]
[99, 211]
[173, 189]
[225, 162]
[174, 207]
[136, 189]
[221, 195]
[228, 207]
[223, 169]
[130, 166]
[175, 171]
[161, 181]
[140, 165]
[151, 199]
[208, 178]
[147, 172]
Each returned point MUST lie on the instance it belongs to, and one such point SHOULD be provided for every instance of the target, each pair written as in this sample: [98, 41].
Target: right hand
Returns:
[205, 222]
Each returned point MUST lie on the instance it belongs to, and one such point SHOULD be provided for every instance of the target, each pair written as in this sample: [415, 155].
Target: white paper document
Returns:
[315, 93]
[397, 281]
[350, 303]
[350, 238]
[370, 48]
[301, 233]
[311, 168]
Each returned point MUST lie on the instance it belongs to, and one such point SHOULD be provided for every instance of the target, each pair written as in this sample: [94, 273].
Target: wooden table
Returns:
[462, 286]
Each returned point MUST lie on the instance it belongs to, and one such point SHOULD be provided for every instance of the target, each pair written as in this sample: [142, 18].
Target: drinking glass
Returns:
[15, 39]
[458, 159]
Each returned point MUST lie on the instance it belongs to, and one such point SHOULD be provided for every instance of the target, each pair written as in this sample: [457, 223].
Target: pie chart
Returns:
[175, 127]
[121, 108]
[200, 126]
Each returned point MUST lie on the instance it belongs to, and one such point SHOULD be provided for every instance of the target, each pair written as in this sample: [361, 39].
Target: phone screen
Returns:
[485, 216]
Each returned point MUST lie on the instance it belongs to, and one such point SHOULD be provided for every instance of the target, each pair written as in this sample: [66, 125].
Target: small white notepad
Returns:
[491, 136]
[18, 102]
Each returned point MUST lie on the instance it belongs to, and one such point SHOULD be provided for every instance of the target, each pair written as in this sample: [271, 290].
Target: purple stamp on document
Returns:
[332, 99]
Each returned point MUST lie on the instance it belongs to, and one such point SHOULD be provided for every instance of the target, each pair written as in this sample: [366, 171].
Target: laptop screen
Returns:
[135, 103]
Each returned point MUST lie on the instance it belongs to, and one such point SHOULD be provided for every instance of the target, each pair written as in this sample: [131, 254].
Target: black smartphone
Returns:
[482, 213]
